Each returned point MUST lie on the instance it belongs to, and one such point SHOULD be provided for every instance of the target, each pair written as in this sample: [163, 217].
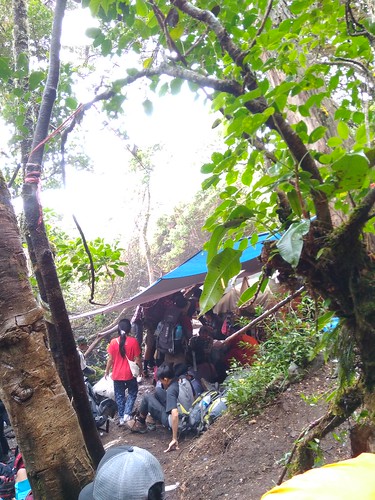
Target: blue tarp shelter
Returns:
[191, 272]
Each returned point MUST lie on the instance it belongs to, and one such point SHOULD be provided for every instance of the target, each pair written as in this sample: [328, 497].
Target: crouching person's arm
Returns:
[173, 445]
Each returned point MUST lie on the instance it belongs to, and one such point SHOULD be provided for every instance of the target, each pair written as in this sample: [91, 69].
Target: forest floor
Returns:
[240, 458]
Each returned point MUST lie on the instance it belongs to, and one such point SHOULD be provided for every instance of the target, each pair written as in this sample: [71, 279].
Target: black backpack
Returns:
[169, 332]
[101, 410]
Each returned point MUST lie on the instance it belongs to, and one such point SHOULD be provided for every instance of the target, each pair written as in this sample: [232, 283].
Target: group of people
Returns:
[203, 358]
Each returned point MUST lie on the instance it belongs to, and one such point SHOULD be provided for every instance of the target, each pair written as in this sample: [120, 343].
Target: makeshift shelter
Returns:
[191, 272]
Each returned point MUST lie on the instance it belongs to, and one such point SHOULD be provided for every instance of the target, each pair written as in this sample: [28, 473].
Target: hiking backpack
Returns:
[169, 333]
[101, 410]
[206, 408]
[185, 395]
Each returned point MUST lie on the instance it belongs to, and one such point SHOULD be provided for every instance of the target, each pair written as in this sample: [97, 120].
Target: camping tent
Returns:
[190, 273]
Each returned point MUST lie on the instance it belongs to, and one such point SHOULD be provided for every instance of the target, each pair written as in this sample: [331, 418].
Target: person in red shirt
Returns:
[119, 351]
[242, 349]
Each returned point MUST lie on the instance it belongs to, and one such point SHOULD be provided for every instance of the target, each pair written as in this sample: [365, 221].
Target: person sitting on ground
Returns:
[82, 348]
[120, 351]
[126, 472]
[345, 480]
[162, 405]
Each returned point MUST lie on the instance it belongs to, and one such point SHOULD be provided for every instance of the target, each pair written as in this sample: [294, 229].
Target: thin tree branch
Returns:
[263, 23]
[354, 27]
[357, 65]
[267, 313]
[163, 25]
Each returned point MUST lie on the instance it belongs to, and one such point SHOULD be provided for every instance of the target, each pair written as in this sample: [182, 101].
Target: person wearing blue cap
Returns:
[126, 473]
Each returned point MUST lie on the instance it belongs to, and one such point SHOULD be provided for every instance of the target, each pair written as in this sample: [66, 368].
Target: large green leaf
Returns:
[291, 243]
[351, 171]
[221, 268]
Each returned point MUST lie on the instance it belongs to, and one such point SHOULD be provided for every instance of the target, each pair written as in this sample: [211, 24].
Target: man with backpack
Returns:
[174, 331]
[166, 404]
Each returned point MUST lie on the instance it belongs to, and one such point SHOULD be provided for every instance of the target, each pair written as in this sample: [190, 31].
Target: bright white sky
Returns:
[105, 203]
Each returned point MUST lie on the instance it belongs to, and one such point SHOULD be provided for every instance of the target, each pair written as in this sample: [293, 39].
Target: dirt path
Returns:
[238, 458]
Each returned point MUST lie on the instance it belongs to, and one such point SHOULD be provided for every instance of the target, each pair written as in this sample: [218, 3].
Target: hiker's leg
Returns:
[150, 404]
[132, 386]
[157, 410]
[119, 387]
[161, 395]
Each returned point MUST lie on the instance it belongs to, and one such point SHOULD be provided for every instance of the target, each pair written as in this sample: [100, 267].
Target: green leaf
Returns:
[343, 130]
[163, 89]
[35, 78]
[351, 171]
[177, 32]
[221, 268]
[324, 320]
[334, 141]
[148, 107]
[71, 103]
[147, 62]
[22, 64]
[141, 8]
[214, 242]
[176, 85]
[93, 32]
[294, 202]
[317, 134]
[291, 243]
[106, 47]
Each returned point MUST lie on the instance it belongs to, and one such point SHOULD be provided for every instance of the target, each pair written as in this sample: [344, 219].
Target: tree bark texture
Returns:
[44, 421]
[40, 247]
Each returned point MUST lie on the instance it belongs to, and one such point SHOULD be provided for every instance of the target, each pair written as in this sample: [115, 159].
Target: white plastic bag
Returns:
[104, 387]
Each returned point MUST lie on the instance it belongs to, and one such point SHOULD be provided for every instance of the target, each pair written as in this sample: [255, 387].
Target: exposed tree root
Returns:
[348, 402]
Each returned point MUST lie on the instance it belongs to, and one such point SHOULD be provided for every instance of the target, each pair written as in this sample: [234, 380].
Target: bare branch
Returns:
[354, 27]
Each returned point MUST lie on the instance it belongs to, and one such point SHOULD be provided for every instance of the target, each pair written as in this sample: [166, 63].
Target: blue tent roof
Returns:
[191, 272]
[197, 264]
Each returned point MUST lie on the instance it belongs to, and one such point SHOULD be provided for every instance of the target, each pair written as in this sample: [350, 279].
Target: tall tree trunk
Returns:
[42, 416]
[41, 249]
[21, 48]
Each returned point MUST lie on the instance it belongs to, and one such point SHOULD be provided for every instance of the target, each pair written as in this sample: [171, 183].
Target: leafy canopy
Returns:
[273, 127]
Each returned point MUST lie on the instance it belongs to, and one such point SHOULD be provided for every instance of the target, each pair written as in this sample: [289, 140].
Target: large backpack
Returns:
[186, 396]
[185, 401]
[101, 410]
[206, 408]
[169, 333]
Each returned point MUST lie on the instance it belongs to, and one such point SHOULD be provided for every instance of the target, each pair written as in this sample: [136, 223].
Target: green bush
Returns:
[290, 339]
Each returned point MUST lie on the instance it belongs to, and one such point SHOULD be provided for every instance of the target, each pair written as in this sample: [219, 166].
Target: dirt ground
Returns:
[239, 458]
